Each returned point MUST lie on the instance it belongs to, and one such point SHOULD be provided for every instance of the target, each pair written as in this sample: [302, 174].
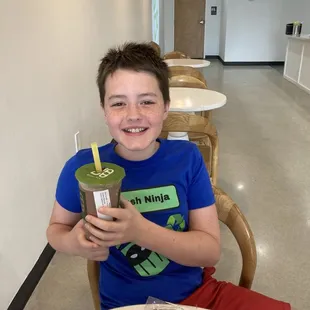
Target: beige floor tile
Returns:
[63, 286]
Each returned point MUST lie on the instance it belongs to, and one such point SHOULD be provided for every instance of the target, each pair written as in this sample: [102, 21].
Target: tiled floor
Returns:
[264, 133]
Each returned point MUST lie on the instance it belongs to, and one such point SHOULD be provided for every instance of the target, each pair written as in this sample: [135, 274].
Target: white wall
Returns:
[255, 30]
[212, 28]
[50, 51]
[297, 10]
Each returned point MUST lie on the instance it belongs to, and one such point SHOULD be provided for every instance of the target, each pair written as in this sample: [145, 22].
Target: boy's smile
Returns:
[135, 131]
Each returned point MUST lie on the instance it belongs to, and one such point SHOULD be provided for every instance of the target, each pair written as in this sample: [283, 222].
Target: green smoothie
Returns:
[99, 189]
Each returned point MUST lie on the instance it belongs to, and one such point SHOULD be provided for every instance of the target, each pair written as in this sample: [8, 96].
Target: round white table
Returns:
[190, 100]
[188, 62]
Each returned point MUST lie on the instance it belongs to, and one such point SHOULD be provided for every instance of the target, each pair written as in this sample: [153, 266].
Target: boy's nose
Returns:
[133, 113]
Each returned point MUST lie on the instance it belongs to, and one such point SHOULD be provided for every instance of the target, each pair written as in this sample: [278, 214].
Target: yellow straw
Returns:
[94, 148]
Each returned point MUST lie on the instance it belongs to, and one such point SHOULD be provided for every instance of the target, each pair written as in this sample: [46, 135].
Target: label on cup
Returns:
[102, 199]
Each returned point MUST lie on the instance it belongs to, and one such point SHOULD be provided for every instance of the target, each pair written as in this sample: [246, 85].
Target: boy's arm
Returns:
[61, 223]
[66, 234]
[200, 246]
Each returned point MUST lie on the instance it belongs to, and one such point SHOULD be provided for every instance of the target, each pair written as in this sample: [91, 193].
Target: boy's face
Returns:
[134, 109]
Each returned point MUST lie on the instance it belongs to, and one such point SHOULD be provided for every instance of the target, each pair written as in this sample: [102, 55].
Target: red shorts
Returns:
[217, 295]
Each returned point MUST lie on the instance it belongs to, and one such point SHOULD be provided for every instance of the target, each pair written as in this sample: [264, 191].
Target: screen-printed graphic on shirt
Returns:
[153, 199]
[145, 262]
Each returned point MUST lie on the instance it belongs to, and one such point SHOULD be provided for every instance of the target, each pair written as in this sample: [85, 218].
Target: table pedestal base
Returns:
[178, 136]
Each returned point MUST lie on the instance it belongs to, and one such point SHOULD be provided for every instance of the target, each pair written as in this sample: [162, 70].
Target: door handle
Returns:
[202, 22]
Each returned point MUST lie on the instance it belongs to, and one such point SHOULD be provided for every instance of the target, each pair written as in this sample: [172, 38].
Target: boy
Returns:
[160, 250]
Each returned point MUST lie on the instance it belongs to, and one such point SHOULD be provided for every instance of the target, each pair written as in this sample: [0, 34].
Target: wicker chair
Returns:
[230, 215]
[199, 130]
[186, 81]
[175, 55]
[184, 70]
[156, 47]
[93, 272]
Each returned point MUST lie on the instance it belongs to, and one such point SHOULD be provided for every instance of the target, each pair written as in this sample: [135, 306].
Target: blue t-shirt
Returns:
[164, 188]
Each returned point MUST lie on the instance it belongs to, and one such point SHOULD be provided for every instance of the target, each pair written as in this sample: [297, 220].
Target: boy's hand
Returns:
[80, 246]
[126, 228]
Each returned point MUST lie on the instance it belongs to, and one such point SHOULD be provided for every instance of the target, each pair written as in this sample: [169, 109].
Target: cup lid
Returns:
[111, 173]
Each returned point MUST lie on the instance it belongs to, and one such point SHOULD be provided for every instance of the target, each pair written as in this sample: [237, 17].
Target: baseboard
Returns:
[252, 63]
[245, 63]
[277, 63]
[21, 298]
[222, 61]
[212, 57]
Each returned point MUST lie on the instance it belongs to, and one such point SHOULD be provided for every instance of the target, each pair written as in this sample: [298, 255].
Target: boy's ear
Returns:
[166, 109]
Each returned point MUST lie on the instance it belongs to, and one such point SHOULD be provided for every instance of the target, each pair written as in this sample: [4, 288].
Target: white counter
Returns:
[297, 61]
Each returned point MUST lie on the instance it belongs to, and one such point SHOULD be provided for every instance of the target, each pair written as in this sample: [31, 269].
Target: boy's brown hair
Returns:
[140, 57]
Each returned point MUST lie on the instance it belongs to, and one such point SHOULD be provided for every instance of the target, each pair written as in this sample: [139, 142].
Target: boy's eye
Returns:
[147, 102]
[117, 104]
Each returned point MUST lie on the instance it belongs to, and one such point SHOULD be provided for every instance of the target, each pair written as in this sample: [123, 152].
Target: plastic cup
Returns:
[99, 189]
